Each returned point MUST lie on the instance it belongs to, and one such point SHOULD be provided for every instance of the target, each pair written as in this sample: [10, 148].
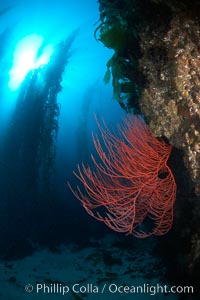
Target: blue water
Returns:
[26, 26]
[35, 218]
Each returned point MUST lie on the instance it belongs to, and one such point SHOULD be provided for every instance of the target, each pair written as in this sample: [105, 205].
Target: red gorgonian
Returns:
[130, 188]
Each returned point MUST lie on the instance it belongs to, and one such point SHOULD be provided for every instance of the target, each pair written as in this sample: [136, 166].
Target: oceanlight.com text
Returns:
[110, 288]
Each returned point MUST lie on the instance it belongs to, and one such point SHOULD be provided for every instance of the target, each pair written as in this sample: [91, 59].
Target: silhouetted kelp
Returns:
[29, 149]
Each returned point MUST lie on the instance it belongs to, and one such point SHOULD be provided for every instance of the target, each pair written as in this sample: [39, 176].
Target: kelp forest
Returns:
[29, 151]
[110, 117]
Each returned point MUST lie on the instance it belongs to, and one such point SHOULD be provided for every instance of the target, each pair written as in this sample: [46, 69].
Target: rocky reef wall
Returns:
[155, 70]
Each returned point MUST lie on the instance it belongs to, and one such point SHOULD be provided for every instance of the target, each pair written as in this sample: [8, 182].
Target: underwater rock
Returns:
[171, 98]
[160, 60]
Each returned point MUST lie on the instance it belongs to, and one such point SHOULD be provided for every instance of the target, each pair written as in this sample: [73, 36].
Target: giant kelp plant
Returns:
[155, 70]
[34, 125]
[29, 148]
